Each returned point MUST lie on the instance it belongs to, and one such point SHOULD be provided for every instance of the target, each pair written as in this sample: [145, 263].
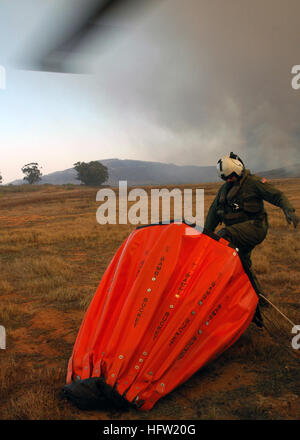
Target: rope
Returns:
[282, 314]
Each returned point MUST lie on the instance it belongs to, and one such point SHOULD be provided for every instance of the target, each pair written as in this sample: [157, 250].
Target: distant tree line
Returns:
[92, 173]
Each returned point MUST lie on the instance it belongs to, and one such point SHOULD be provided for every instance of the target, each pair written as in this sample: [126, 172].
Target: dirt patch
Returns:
[21, 220]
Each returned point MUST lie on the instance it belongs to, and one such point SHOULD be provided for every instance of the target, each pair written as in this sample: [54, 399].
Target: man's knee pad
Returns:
[224, 233]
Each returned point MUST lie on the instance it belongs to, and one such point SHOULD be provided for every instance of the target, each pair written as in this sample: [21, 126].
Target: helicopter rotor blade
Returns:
[78, 26]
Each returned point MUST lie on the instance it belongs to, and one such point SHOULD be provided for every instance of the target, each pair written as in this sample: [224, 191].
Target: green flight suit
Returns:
[240, 207]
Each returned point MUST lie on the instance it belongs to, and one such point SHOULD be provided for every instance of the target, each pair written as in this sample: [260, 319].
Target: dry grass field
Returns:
[53, 254]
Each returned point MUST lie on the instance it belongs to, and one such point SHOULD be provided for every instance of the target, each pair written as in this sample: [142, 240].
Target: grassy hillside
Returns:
[53, 254]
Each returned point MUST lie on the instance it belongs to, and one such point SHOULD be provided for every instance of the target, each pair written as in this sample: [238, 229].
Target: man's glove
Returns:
[291, 217]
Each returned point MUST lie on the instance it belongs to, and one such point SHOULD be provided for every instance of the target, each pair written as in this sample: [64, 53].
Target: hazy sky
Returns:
[186, 83]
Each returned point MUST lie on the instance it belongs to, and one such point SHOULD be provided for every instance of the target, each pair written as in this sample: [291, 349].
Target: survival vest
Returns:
[238, 203]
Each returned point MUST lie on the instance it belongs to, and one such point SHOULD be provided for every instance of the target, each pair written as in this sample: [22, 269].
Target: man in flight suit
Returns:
[239, 205]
